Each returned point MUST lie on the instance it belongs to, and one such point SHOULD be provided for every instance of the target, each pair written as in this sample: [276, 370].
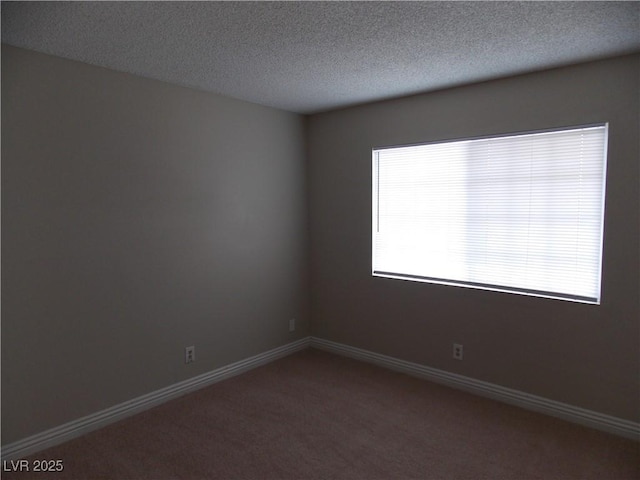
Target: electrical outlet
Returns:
[457, 351]
[292, 325]
[190, 354]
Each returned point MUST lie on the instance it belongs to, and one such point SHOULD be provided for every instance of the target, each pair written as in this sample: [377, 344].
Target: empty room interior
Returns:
[320, 239]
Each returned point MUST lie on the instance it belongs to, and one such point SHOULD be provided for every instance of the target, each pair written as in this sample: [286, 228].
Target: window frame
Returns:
[484, 286]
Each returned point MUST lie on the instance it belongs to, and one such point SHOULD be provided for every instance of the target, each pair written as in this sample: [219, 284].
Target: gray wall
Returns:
[584, 355]
[139, 218]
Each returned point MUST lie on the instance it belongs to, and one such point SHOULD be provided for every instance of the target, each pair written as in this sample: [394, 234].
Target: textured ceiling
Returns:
[313, 56]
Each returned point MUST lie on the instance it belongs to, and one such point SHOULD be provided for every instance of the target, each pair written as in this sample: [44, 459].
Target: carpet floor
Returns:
[314, 415]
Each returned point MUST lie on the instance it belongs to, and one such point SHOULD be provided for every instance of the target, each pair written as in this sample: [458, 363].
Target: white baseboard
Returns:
[82, 426]
[76, 428]
[589, 418]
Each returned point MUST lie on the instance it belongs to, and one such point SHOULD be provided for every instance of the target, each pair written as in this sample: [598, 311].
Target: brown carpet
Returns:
[316, 415]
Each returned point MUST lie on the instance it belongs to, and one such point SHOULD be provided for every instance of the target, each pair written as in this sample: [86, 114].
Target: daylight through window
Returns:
[521, 213]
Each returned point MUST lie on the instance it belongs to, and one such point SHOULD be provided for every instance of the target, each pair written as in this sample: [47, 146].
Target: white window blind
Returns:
[520, 213]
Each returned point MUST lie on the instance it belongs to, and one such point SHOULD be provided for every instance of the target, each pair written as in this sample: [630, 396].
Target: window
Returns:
[520, 213]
